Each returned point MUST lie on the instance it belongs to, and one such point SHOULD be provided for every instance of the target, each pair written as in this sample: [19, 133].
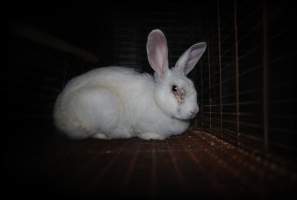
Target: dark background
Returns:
[246, 81]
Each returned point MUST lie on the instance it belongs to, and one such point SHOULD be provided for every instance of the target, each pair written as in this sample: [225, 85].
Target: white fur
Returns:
[118, 102]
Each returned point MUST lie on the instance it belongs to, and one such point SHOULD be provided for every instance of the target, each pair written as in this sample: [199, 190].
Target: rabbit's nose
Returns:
[194, 112]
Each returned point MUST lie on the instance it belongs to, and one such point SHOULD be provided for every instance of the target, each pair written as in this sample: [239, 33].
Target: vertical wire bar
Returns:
[265, 76]
[220, 63]
[236, 66]
[209, 85]
[201, 96]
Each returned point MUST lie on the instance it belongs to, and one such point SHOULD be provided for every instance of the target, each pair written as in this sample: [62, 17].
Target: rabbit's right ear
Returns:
[157, 52]
[190, 58]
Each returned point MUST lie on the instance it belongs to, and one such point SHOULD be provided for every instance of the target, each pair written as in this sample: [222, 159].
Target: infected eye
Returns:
[178, 93]
[174, 88]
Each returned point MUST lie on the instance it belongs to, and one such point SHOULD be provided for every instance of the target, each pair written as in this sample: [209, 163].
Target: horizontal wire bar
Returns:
[248, 124]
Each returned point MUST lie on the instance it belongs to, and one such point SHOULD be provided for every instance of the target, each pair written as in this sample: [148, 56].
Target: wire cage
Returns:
[246, 89]
[242, 144]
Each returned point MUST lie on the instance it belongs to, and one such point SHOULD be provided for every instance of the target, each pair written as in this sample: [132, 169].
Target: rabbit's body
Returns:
[118, 102]
[120, 113]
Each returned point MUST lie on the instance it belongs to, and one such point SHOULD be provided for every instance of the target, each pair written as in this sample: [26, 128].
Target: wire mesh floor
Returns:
[194, 164]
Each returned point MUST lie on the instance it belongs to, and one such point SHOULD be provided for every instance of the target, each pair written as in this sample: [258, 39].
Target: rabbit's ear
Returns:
[190, 58]
[157, 52]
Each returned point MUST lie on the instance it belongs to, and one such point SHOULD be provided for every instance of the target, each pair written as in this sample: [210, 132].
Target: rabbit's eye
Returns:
[174, 88]
[178, 93]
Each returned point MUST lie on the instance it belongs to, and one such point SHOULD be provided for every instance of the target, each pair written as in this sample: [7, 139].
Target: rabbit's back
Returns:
[108, 77]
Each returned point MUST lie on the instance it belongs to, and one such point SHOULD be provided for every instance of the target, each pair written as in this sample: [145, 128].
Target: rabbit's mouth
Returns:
[182, 118]
[186, 116]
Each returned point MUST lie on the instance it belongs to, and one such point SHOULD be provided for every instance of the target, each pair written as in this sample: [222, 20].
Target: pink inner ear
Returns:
[195, 52]
[157, 52]
[161, 56]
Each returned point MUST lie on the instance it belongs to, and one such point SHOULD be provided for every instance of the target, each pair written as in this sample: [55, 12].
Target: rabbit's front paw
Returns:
[100, 136]
[151, 136]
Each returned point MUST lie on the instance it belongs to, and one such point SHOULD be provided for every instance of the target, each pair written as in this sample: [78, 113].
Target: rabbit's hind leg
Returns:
[98, 110]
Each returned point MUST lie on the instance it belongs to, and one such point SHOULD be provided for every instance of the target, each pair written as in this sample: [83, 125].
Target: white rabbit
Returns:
[118, 102]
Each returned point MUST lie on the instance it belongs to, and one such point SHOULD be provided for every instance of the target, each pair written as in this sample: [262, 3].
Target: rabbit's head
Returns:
[174, 93]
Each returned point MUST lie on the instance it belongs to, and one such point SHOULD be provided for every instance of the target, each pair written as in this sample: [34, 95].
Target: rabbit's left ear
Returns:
[190, 58]
[157, 52]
